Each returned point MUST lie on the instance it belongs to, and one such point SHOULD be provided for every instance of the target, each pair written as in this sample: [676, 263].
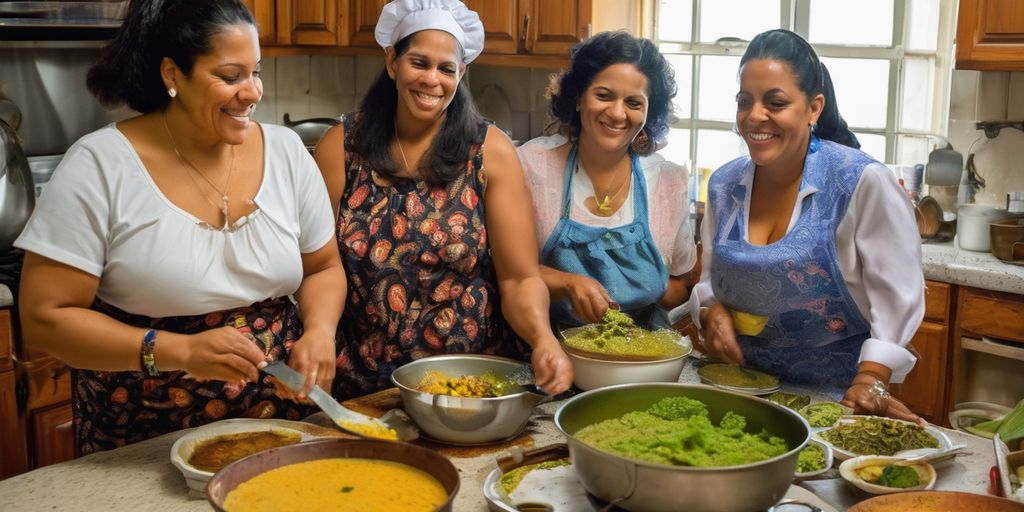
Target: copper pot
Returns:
[928, 501]
[1008, 240]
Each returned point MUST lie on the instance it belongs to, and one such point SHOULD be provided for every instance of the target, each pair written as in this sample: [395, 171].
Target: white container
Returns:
[972, 226]
[591, 373]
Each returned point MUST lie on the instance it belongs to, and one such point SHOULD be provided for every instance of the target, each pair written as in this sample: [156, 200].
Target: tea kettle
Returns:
[17, 191]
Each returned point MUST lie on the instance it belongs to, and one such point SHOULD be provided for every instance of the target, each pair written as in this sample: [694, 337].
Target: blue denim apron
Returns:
[623, 259]
[814, 331]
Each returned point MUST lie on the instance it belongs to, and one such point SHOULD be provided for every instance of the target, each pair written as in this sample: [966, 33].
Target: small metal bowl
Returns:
[425, 459]
[459, 420]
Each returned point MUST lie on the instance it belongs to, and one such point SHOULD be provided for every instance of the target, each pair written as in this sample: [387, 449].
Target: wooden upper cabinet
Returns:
[266, 20]
[990, 35]
[554, 26]
[312, 22]
[363, 22]
[503, 25]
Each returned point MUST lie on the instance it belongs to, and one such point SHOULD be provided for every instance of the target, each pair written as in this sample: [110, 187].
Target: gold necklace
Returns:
[401, 151]
[604, 207]
[227, 182]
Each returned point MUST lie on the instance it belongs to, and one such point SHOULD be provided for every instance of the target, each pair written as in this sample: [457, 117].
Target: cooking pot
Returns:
[1008, 240]
[646, 486]
[972, 226]
[310, 130]
[17, 191]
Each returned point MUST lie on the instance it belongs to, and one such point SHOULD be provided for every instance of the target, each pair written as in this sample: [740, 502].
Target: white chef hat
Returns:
[401, 18]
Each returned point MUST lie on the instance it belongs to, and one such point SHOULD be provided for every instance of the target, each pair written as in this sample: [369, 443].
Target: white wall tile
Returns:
[330, 75]
[1015, 103]
[366, 71]
[963, 94]
[297, 107]
[992, 90]
[292, 76]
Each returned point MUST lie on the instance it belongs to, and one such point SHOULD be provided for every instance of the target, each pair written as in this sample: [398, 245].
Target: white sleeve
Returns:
[71, 223]
[684, 251]
[888, 248]
[316, 220]
[702, 294]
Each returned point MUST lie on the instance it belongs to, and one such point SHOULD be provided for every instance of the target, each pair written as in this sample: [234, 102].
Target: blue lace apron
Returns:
[623, 259]
[814, 331]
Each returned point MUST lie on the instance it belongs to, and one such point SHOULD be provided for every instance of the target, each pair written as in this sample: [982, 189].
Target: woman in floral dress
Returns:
[434, 220]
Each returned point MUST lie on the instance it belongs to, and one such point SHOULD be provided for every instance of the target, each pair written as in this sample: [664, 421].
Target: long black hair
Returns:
[446, 159]
[592, 56]
[812, 78]
[129, 69]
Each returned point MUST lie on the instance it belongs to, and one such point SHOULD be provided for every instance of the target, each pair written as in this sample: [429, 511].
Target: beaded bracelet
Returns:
[147, 358]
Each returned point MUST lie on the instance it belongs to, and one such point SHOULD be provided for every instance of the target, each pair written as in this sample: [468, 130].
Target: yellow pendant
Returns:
[605, 206]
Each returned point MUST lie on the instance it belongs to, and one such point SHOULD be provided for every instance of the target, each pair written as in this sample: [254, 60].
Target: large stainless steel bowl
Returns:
[645, 486]
[458, 420]
[243, 470]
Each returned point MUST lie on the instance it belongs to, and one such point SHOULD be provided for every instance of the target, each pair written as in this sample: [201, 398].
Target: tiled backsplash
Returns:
[328, 86]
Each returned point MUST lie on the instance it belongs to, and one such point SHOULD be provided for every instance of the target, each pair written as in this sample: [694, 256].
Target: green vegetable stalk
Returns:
[1010, 427]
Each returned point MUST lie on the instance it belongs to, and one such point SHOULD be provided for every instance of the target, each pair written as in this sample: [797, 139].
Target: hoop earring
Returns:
[641, 143]
[172, 92]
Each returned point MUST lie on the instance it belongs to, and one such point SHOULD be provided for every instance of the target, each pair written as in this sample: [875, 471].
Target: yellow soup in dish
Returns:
[364, 485]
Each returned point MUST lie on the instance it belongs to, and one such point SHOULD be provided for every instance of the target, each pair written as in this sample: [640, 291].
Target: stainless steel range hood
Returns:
[44, 20]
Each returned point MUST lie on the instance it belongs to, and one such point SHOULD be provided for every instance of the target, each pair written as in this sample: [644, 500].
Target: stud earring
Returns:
[172, 92]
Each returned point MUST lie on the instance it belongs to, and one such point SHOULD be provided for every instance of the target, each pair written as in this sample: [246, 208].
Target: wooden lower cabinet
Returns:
[926, 387]
[53, 438]
[13, 449]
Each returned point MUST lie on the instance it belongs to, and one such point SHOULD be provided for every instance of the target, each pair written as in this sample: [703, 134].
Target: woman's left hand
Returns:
[313, 355]
[551, 367]
[869, 398]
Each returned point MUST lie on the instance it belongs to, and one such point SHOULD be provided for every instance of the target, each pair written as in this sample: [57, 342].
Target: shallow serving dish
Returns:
[427, 460]
[182, 449]
[848, 470]
[945, 451]
[459, 420]
[829, 460]
[645, 486]
[592, 373]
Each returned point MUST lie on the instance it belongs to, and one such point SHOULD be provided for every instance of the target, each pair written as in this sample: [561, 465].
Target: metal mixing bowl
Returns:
[458, 420]
[645, 486]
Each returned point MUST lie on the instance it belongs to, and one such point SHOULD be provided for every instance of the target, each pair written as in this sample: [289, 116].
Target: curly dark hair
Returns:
[592, 56]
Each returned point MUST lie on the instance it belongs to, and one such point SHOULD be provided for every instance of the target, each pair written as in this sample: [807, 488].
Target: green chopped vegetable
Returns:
[792, 400]
[677, 431]
[1010, 426]
[811, 458]
[618, 337]
[347, 489]
[899, 477]
[822, 414]
[879, 436]
[511, 480]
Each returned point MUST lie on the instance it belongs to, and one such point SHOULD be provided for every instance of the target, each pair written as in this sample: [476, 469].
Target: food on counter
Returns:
[748, 324]
[364, 485]
[823, 414]
[510, 480]
[1010, 427]
[370, 430]
[811, 458]
[736, 376]
[891, 475]
[879, 436]
[619, 338]
[677, 431]
[791, 400]
[215, 453]
[487, 385]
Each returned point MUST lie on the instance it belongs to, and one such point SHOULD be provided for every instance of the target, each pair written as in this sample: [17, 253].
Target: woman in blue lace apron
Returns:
[812, 266]
[160, 259]
[433, 217]
[612, 216]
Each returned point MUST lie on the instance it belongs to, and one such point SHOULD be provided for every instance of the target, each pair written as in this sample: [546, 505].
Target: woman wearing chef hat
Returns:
[432, 212]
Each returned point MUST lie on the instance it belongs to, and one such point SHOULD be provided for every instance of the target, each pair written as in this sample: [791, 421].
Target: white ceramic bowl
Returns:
[828, 460]
[591, 373]
[946, 447]
[848, 470]
[182, 449]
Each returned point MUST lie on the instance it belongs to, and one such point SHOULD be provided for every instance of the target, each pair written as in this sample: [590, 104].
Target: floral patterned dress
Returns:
[112, 409]
[421, 277]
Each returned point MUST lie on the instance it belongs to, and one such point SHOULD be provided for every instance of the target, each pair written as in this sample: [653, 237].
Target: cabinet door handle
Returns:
[526, 30]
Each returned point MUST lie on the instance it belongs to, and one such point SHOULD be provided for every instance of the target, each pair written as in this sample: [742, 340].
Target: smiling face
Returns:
[773, 115]
[221, 94]
[427, 75]
[613, 109]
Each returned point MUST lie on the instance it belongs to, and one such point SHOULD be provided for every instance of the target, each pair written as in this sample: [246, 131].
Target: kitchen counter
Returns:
[948, 263]
[141, 477]
[6, 297]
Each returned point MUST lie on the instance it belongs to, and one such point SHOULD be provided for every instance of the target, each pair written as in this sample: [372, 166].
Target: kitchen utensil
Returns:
[930, 223]
[944, 167]
[427, 460]
[1007, 463]
[591, 372]
[17, 191]
[346, 419]
[1007, 238]
[935, 501]
[461, 420]
[310, 130]
[645, 486]
[849, 471]
[972, 226]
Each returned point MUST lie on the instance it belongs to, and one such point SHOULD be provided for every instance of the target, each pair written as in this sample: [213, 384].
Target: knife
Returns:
[346, 419]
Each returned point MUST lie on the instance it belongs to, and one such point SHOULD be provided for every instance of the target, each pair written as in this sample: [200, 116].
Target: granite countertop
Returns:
[948, 263]
[141, 477]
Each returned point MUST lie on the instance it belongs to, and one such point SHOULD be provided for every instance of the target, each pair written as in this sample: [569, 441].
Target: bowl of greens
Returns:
[886, 475]
[856, 435]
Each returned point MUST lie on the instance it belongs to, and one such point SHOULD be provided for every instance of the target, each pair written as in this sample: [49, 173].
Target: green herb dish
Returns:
[793, 401]
[618, 338]
[814, 459]
[871, 435]
[885, 475]
[823, 414]
[737, 378]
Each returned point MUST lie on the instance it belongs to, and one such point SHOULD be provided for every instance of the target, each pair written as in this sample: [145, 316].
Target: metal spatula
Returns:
[340, 415]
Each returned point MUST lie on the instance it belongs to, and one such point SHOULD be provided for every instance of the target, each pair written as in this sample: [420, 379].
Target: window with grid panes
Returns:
[890, 61]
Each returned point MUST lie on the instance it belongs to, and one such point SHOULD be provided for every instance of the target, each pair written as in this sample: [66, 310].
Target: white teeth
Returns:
[427, 97]
[760, 136]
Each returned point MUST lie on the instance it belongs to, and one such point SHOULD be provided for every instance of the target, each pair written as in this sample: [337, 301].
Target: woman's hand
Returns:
[551, 367]
[217, 354]
[868, 395]
[719, 335]
[313, 355]
[589, 299]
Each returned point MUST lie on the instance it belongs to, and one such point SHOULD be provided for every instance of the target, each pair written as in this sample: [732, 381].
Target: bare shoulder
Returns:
[330, 158]
[499, 154]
